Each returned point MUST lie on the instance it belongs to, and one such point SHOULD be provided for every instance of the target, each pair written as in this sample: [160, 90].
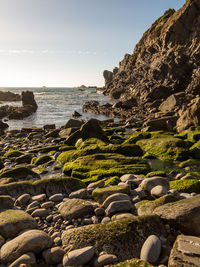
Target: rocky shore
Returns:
[95, 194]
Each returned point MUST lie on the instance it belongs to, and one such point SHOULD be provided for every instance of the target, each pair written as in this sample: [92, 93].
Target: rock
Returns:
[126, 177]
[189, 117]
[148, 183]
[76, 114]
[74, 123]
[56, 198]
[9, 96]
[146, 207]
[32, 240]
[151, 249]
[100, 194]
[119, 206]
[172, 102]
[185, 252]
[6, 202]
[75, 208]
[121, 216]
[184, 213]
[49, 127]
[47, 205]
[23, 199]
[158, 191]
[53, 255]
[40, 213]
[124, 238]
[115, 197]
[14, 221]
[28, 258]
[18, 173]
[3, 125]
[2, 241]
[79, 256]
[108, 75]
[81, 193]
[165, 123]
[105, 259]
[99, 212]
[90, 129]
[28, 100]
[39, 198]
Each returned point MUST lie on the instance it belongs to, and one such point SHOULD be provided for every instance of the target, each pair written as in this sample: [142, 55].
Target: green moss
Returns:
[195, 174]
[66, 148]
[193, 136]
[165, 147]
[13, 154]
[195, 150]
[45, 149]
[106, 165]
[109, 131]
[89, 142]
[41, 160]
[24, 159]
[18, 172]
[133, 263]
[40, 170]
[137, 136]
[186, 186]
[146, 207]
[119, 138]
[112, 181]
[156, 173]
[13, 216]
[189, 162]
[100, 194]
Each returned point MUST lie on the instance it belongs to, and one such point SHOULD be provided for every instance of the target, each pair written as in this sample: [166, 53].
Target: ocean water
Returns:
[55, 105]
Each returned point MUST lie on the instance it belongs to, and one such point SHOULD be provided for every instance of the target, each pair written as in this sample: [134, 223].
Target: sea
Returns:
[55, 105]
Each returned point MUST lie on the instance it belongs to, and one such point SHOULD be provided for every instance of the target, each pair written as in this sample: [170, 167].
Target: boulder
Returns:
[151, 249]
[53, 255]
[14, 221]
[115, 197]
[78, 257]
[105, 259]
[6, 202]
[75, 208]
[28, 100]
[184, 213]
[149, 183]
[32, 240]
[28, 258]
[119, 206]
[9, 96]
[185, 252]
[123, 238]
[100, 194]
[165, 123]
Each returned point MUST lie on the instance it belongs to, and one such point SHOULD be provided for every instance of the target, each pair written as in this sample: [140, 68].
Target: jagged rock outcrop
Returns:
[9, 96]
[29, 106]
[165, 62]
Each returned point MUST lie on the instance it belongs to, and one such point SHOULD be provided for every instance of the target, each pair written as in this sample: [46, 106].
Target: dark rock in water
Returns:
[9, 96]
[28, 100]
[74, 123]
[76, 114]
[49, 127]
[3, 125]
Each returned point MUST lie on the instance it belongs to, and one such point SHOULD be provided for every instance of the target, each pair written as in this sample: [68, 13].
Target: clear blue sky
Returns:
[70, 42]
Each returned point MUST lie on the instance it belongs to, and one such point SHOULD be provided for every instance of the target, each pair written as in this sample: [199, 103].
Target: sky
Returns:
[64, 43]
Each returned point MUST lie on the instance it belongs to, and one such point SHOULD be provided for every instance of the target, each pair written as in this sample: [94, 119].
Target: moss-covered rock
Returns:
[195, 150]
[189, 162]
[186, 186]
[133, 263]
[24, 159]
[156, 173]
[112, 181]
[45, 149]
[137, 136]
[165, 147]
[100, 194]
[105, 165]
[18, 173]
[124, 237]
[89, 142]
[193, 136]
[14, 221]
[48, 186]
[146, 207]
[6, 202]
[41, 160]
[13, 154]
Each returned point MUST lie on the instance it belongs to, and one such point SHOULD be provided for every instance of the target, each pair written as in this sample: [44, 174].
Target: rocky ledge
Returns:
[158, 85]
[29, 106]
[95, 194]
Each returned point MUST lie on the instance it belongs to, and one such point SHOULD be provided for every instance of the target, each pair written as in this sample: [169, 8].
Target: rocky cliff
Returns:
[165, 63]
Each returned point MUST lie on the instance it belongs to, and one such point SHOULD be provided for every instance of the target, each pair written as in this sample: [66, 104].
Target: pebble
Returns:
[151, 249]
[56, 197]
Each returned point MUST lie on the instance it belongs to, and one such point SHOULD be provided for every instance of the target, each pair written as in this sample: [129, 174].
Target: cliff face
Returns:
[164, 62]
